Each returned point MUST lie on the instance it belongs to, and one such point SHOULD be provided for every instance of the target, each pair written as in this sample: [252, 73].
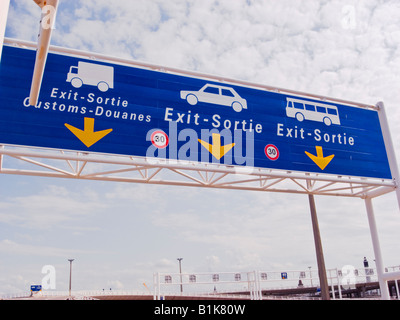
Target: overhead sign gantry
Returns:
[152, 124]
[97, 106]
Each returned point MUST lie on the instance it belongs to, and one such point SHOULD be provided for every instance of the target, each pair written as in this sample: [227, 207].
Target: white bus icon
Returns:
[313, 111]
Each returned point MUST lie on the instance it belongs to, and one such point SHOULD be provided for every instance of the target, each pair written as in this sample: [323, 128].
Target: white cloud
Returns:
[11, 247]
[49, 208]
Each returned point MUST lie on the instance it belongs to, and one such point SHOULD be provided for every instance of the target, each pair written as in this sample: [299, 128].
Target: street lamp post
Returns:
[70, 274]
[180, 272]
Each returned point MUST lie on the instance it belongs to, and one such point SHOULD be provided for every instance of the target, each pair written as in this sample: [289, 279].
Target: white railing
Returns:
[238, 285]
[255, 282]
[15, 296]
[76, 295]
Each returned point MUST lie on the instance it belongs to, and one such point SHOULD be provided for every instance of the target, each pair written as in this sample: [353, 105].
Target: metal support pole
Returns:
[319, 252]
[259, 290]
[180, 272]
[70, 274]
[157, 289]
[377, 250]
[48, 16]
[389, 147]
[332, 285]
[158, 286]
[4, 6]
[338, 285]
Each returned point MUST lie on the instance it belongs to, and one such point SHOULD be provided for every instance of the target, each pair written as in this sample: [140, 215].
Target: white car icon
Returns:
[215, 94]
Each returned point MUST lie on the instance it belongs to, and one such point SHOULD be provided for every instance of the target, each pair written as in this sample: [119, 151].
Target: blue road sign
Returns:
[36, 288]
[95, 106]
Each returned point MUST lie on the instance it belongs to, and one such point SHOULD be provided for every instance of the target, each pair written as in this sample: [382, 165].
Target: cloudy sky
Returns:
[120, 234]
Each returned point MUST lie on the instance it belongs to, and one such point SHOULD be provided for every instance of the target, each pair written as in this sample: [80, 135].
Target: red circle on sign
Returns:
[159, 139]
[271, 152]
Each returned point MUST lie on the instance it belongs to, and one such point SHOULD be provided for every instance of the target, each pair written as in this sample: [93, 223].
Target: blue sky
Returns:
[120, 234]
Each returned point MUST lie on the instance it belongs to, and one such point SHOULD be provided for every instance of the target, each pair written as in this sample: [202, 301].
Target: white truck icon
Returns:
[91, 74]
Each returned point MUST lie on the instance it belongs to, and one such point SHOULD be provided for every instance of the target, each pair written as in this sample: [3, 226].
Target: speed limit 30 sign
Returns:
[271, 152]
[159, 139]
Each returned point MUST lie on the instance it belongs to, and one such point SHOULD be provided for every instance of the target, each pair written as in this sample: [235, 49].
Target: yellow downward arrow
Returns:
[215, 148]
[87, 135]
[319, 159]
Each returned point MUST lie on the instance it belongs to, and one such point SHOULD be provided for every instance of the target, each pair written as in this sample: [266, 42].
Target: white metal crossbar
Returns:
[79, 165]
